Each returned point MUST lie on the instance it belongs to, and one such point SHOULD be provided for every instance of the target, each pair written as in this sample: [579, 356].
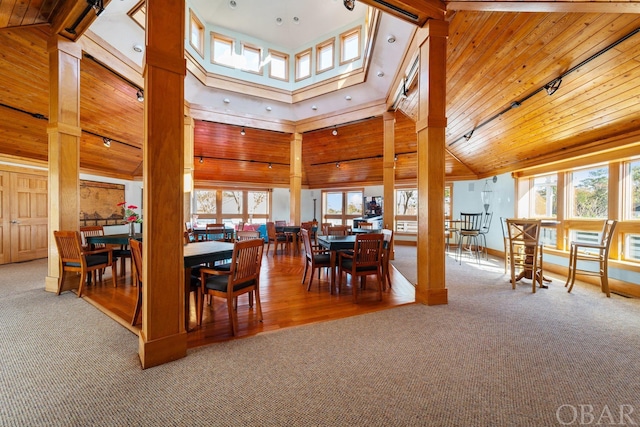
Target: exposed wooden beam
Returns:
[560, 7]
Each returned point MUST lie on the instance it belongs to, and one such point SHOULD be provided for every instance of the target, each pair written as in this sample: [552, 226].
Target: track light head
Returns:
[553, 86]
[338, 165]
[140, 95]
[242, 132]
[349, 4]
[106, 141]
[334, 132]
[468, 135]
[201, 160]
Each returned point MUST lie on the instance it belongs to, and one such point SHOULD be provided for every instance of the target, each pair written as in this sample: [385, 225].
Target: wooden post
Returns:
[295, 178]
[64, 146]
[430, 127]
[163, 336]
[389, 172]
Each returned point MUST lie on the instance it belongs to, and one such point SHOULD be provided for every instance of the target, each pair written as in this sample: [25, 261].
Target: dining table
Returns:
[194, 254]
[334, 244]
[229, 232]
[527, 273]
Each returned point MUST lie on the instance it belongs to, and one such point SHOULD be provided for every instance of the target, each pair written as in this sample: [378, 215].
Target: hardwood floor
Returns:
[285, 301]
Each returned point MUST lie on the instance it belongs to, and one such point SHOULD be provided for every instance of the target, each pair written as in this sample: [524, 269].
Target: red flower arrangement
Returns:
[129, 214]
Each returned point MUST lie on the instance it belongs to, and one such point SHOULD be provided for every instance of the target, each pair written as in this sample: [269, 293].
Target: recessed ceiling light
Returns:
[268, 108]
[137, 48]
[380, 74]
[348, 97]
[279, 21]
[314, 108]
[232, 4]
[226, 100]
[391, 38]
[296, 20]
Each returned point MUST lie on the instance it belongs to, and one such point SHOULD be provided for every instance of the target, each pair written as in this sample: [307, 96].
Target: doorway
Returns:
[23, 216]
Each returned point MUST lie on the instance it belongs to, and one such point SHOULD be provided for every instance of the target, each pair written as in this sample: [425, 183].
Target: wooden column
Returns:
[295, 178]
[388, 171]
[189, 128]
[430, 127]
[64, 146]
[163, 337]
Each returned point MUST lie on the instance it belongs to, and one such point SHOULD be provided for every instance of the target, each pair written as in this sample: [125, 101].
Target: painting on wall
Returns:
[99, 203]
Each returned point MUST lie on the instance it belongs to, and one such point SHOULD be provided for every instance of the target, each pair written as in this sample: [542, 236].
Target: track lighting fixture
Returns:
[334, 132]
[140, 95]
[404, 88]
[106, 141]
[469, 134]
[201, 160]
[349, 4]
[270, 166]
[242, 132]
[338, 165]
[552, 86]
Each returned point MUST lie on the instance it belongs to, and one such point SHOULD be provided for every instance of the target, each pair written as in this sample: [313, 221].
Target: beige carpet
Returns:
[492, 357]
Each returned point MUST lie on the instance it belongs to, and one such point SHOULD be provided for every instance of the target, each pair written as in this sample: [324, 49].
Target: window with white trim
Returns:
[324, 56]
[221, 50]
[350, 46]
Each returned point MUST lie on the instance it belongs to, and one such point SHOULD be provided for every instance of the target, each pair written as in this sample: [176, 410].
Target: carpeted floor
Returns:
[492, 357]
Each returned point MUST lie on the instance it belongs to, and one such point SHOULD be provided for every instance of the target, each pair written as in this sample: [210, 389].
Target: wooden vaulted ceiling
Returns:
[495, 60]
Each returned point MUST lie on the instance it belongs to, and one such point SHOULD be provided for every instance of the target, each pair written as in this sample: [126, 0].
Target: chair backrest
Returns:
[271, 230]
[524, 232]
[91, 230]
[470, 221]
[338, 230]
[505, 230]
[247, 234]
[367, 250]
[187, 226]
[306, 241]
[365, 225]
[136, 257]
[486, 222]
[607, 232]
[325, 227]
[69, 246]
[388, 239]
[215, 230]
[246, 262]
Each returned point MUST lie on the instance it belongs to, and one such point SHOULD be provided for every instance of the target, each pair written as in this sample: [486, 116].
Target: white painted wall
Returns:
[280, 204]
[467, 199]
[132, 194]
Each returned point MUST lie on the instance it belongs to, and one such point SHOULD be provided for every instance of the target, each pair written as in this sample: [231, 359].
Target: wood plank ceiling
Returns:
[495, 62]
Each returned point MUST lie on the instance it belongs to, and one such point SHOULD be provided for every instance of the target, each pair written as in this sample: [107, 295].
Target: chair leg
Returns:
[604, 279]
[258, 305]
[83, 277]
[571, 275]
[304, 275]
[233, 316]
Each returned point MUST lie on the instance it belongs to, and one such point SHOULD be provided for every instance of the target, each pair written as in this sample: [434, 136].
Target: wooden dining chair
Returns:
[278, 239]
[75, 259]
[338, 230]
[119, 251]
[367, 225]
[242, 278]
[365, 260]
[387, 249]
[315, 257]
[247, 234]
[505, 241]
[525, 250]
[215, 232]
[588, 254]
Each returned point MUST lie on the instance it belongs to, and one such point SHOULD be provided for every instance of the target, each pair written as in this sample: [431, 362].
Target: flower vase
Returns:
[132, 229]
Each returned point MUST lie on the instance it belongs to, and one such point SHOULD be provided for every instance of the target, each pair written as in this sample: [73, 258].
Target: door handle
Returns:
[15, 222]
